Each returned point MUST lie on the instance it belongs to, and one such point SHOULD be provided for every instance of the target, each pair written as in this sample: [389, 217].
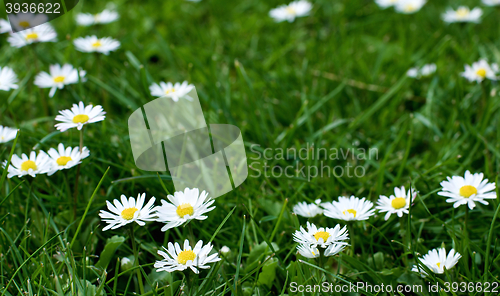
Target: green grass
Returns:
[335, 79]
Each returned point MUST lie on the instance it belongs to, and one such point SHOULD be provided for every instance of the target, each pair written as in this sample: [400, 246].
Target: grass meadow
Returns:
[335, 79]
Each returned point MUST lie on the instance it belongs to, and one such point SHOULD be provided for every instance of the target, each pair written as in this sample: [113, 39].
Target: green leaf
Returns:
[109, 250]
[268, 273]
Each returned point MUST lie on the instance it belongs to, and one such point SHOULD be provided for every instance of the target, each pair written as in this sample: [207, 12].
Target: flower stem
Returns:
[75, 193]
[136, 261]
[350, 227]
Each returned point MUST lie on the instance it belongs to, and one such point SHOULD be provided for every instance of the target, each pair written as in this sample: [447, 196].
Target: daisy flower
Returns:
[23, 21]
[184, 206]
[58, 77]
[479, 71]
[128, 211]
[7, 134]
[78, 116]
[105, 17]
[491, 2]
[41, 33]
[349, 208]
[386, 3]
[8, 79]
[5, 26]
[66, 158]
[187, 257]
[409, 6]
[399, 203]
[32, 165]
[425, 71]
[436, 260]
[291, 11]
[173, 91]
[468, 190]
[308, 251]
[308, 210]
[94, 44]
[323, 237]
[463, 14]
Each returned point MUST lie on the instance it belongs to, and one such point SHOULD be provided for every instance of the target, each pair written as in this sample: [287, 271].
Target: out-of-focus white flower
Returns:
[386, 3]
[7, 134]
[5, 26]
[8, 79]
[425, 71]
[23, 21]
[491, 2]
[173, 91]
[480, 70]
[41, 33]
[182, 258]
[308, 210]
[78, 116]
[93, 44]
[291, 11]
[58, 77]
[463, 14]
[105, 17]
[409, 6]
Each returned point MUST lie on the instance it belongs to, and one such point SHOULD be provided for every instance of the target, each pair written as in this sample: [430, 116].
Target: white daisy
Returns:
[491, 2]
[468, 190]
[187, 257]
[291, 11]
[308, 210]
[409, 6]
[41, 33]
[7, 134]
[349, 208]
[174, 91]
[425, 71]
[32, 165]
[436, 260]
[23, 21]
[105, 17]
[128, 211]
[8, 79]
[78, 116]
[184, 206]
[5, 26]
[58, 77]
[386, 3]
[322, 237]
[94, 44]
[66, 158]
[463, 14]
[399, 203]
[308, 251]
[480, 70]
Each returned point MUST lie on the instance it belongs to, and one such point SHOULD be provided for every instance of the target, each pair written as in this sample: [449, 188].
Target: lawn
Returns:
[325, 108]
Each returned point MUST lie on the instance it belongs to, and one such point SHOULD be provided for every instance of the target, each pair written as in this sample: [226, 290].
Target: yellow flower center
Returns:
[63, 160]
[81, 118]
[438, 264]
[350, 211]
[290, 10]
[481, 72]
[59, 79]
[128, 213]
[28, 164]
[462, 12]
[185, 256]
[321, 234]
[97, 44]
[410, 8]
[398, 202]
[169, 91]
[185, 209]
[31, 36]
[24, 24]
[468, 190]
